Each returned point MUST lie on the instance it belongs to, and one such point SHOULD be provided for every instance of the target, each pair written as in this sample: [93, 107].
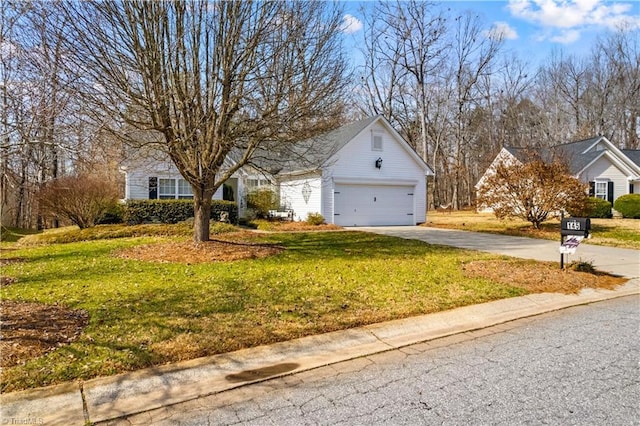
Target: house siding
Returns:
[291, 196]
[138, 188]
[503, 157]
[138, 177]
[356, 163]
[603, 169]
[327, 199]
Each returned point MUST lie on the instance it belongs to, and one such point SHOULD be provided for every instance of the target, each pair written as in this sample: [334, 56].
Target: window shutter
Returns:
[630, 188]
[153, 188]
[592, 189]
[610, 192]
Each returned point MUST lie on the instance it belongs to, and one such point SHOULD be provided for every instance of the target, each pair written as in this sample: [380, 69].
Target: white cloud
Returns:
[501, 31]
[565, 37]
[350, 24]
[563, 20]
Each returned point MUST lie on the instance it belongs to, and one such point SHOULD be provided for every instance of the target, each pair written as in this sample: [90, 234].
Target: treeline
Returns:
[47, 129]
[445, 81]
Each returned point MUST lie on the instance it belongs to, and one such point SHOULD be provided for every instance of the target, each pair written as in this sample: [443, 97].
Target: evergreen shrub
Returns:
[594, 208]
[174, 211]
[628, 206]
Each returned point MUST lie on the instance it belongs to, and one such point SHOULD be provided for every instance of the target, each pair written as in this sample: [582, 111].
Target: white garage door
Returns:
[373, 205]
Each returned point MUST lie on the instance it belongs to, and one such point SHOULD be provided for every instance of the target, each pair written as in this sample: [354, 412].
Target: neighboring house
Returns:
[609, 171]
[361, 174]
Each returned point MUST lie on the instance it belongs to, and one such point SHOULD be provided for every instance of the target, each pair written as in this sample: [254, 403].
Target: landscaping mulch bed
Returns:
[540, 277]
[231, 247]
[30, 330]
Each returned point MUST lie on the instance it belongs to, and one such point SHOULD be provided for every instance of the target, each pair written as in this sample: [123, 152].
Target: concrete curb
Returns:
[102, 399]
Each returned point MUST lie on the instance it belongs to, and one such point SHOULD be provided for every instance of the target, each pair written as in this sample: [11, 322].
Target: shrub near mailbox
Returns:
[578, 226]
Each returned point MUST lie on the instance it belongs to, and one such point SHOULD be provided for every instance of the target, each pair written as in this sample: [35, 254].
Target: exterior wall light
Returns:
[379, 163]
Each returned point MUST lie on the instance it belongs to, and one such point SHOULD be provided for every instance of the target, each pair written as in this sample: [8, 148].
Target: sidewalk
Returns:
[108, 398]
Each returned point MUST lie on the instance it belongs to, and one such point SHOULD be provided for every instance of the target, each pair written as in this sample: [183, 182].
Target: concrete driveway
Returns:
[623, 262]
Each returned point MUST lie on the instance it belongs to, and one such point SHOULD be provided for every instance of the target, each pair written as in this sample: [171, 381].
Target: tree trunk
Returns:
[202, 215]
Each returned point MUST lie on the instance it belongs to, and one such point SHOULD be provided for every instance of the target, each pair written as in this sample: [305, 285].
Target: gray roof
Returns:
[573, 153]
[633, 154]
[309, 154]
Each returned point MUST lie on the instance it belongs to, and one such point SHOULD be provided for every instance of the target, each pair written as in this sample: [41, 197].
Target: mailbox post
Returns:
[573, 226]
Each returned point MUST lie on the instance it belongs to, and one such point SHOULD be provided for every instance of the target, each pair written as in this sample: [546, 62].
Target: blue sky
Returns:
[534, 28]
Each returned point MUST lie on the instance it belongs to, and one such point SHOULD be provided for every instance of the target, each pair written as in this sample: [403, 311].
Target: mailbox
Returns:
[579, 226]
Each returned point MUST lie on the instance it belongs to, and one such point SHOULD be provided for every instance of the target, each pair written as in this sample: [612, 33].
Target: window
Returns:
[256, 183]
[376, 142]
[601, 190]
[166, 189]
[170, 189]
[184, 189]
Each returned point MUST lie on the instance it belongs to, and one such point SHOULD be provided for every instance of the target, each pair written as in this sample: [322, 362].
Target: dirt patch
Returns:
[5, 280]
[11, 261]
[219, 250]
[30, 330]
[540, 277]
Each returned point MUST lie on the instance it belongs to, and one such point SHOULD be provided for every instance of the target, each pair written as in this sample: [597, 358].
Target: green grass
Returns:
[144, 314]
[70, 234]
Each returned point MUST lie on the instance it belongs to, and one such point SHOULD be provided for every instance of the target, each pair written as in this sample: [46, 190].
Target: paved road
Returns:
[579, 366]
[625, 262]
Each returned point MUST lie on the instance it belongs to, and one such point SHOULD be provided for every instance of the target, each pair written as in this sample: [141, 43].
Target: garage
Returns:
[373, 205]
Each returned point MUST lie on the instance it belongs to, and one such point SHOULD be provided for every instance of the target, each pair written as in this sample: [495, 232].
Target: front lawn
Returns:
[140, 313]
[624, 233]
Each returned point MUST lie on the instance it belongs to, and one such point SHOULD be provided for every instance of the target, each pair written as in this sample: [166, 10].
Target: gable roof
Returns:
[313, 153]
[581, 154]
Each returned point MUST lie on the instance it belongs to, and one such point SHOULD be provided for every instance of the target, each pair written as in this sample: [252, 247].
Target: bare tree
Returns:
[8, 18]
[619, 85]
[34, 98]
[212, 79]
[405, 46]
[472, 59]
[570, 80]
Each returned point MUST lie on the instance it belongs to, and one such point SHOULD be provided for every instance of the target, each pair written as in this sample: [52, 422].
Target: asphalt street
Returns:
[578, 366]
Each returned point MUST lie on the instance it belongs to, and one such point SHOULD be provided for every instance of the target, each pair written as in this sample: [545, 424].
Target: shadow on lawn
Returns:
[356, 245]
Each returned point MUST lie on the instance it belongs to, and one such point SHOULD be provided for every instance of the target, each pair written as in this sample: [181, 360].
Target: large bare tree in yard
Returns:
[534, 191]
[204, 79]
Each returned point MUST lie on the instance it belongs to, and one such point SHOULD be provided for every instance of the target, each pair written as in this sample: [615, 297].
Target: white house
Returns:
[363, 174]
[610, 172]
